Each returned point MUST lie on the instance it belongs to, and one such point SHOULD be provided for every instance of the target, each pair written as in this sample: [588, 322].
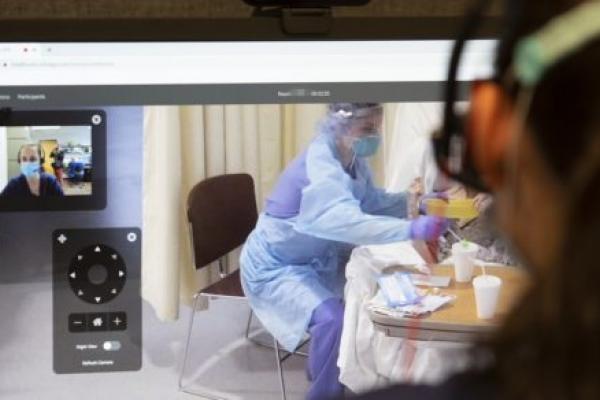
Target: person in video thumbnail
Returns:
[324, 203]
[32, 182]
[58, 157]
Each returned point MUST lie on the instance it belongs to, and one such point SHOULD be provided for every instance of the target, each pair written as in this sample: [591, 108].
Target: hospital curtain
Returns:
[408, 153]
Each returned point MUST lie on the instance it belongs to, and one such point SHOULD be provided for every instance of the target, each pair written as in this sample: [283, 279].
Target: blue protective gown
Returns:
[294, 261]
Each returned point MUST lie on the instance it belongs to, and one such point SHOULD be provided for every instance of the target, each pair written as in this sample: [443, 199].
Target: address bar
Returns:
[413, 64]
[61, 64]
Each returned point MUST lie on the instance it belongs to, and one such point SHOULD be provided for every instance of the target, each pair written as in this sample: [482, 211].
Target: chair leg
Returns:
[188, 342]
[249, 324]
[279, 368]
[278, 359]
[200, 393]
[269, 346]
[272, 347]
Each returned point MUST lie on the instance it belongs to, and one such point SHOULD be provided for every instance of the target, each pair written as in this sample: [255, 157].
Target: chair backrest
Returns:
[222, 212]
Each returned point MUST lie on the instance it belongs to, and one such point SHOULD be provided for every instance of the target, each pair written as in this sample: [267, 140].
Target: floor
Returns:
[76, 188]
[221, 358]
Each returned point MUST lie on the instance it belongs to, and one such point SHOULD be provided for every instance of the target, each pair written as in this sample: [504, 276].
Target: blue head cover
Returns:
[284, 201]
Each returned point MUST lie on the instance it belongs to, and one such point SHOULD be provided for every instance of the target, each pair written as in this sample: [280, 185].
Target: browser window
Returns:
[100, 146]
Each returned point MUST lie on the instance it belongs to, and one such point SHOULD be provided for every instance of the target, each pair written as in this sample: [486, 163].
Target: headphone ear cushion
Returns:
[488, 131]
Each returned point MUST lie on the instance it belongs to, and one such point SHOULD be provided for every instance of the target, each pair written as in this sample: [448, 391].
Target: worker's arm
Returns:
[329, 209]
[380, 202]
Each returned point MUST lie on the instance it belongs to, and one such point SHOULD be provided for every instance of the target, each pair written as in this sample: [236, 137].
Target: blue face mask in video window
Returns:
[30, 169]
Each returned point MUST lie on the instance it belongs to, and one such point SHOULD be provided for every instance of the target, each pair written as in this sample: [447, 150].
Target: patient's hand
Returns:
[416, 187]
[482, 202]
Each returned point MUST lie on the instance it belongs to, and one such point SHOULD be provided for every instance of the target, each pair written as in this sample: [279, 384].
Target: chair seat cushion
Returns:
[230, 286]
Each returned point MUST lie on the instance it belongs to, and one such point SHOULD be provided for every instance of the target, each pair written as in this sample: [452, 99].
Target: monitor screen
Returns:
[97, 136]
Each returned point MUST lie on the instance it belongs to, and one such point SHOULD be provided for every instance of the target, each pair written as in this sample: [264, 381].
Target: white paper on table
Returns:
[427, 304]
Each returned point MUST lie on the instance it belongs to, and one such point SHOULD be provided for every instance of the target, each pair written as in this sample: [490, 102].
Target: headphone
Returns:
[472, 156]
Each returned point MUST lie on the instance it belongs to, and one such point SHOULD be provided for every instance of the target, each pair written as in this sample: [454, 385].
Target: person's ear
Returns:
[489, 130]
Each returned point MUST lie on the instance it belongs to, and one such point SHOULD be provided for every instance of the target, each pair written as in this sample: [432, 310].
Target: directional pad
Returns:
[97, 274]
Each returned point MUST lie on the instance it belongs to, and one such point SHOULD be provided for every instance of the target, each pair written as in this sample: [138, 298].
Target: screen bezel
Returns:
[306, 3]
[251, 28]
[95, 201]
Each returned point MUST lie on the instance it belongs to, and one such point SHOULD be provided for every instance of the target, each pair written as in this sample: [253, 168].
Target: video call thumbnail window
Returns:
[46, 161]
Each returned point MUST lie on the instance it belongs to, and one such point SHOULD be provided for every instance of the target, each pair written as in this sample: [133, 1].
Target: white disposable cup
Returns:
[487, 291]
[463, 255]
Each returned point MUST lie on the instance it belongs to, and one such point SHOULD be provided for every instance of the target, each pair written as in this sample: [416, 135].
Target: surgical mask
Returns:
[366, 146]
[30, 169]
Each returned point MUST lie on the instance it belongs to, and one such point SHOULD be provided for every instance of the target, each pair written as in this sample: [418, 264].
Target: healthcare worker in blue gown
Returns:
[292, 265]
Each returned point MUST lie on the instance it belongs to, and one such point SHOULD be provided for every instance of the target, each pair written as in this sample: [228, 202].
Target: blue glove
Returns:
[429, 196]
[428, 228]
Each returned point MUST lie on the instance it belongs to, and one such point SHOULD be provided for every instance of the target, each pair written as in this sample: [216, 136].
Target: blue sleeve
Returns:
[52, 187]
[57, 189]
[330, 211]
[379, 202]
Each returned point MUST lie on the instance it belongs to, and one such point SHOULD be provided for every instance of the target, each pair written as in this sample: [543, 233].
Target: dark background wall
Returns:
[210, 8]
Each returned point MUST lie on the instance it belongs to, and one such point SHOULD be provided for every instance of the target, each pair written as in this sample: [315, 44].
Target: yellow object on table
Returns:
[453, 208]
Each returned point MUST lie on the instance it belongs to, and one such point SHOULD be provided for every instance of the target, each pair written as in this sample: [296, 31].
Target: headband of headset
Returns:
[533, 56]
[558, 39]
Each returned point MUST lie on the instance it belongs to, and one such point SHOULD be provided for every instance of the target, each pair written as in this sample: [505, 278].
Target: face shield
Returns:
[358, 125]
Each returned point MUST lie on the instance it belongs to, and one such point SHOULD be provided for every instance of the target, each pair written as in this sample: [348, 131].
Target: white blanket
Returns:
[369, 359]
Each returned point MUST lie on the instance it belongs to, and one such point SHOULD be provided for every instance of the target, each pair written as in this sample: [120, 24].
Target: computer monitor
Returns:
[123, 129]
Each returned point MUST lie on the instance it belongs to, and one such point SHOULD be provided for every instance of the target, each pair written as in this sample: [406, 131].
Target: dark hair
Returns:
[549, 347]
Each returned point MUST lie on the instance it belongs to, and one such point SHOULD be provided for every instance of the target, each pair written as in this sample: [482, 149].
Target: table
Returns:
[457, 322]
